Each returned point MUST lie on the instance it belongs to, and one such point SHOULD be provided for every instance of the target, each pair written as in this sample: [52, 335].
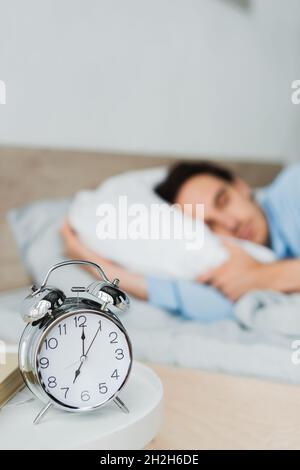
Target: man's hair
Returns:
[181, 172]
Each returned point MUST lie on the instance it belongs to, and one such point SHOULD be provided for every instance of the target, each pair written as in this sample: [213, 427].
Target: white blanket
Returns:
[269, 311]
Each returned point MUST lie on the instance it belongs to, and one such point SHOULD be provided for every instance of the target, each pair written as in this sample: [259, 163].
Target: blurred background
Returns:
[188, 77]
[97, 87]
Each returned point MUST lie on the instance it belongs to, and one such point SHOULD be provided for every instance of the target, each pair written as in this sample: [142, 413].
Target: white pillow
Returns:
[170, 258]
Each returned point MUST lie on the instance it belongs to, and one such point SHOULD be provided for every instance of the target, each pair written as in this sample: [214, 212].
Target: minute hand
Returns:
[77, 372]
[99, 328]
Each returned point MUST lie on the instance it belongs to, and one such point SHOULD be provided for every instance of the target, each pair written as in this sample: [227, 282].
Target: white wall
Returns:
[176, 76]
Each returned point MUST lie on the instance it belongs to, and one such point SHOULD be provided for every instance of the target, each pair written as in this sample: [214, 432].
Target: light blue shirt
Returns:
[281, 204]
[190, 299]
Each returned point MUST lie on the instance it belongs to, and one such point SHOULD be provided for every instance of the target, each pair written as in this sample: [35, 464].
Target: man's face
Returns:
[228, 207]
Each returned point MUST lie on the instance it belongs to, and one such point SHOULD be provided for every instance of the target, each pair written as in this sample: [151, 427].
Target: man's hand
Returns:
[237, 276]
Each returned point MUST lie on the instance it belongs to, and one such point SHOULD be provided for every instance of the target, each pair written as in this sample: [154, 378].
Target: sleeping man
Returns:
[231, 210]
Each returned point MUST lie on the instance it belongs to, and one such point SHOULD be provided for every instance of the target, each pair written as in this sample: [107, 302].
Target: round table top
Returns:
[106, 428]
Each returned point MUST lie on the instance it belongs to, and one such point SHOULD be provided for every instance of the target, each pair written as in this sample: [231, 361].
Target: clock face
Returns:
[83, 360]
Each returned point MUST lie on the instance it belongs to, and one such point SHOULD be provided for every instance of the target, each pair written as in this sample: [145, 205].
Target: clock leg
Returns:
[120, 404]
[41, 413]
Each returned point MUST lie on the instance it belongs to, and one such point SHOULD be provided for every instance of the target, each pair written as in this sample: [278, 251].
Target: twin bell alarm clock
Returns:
[74, 353]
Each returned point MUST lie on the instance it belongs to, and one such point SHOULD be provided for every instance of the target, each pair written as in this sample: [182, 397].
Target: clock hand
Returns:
[72, 365]
[77, 371]
[99, 328]
[83, 340]
[84, 356]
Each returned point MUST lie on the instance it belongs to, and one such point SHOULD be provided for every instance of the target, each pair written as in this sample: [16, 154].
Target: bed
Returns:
[33, 174]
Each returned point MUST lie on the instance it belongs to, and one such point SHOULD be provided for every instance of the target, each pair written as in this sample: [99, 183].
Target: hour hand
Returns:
[77, 372]
[76, 375]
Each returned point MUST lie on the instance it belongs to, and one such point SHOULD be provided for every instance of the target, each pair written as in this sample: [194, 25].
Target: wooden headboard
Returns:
[31, 174]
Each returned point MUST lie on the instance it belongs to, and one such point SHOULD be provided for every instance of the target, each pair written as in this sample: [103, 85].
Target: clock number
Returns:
[52, 382]
[115, 375]
[62, 329]
[44, 363]
[66, 390]
[51, 343]
[119, 354]
[85, 396]
[113, 335]
[80, 321]
[103, 388]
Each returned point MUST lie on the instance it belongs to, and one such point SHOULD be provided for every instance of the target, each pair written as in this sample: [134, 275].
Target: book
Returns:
[11, 380]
